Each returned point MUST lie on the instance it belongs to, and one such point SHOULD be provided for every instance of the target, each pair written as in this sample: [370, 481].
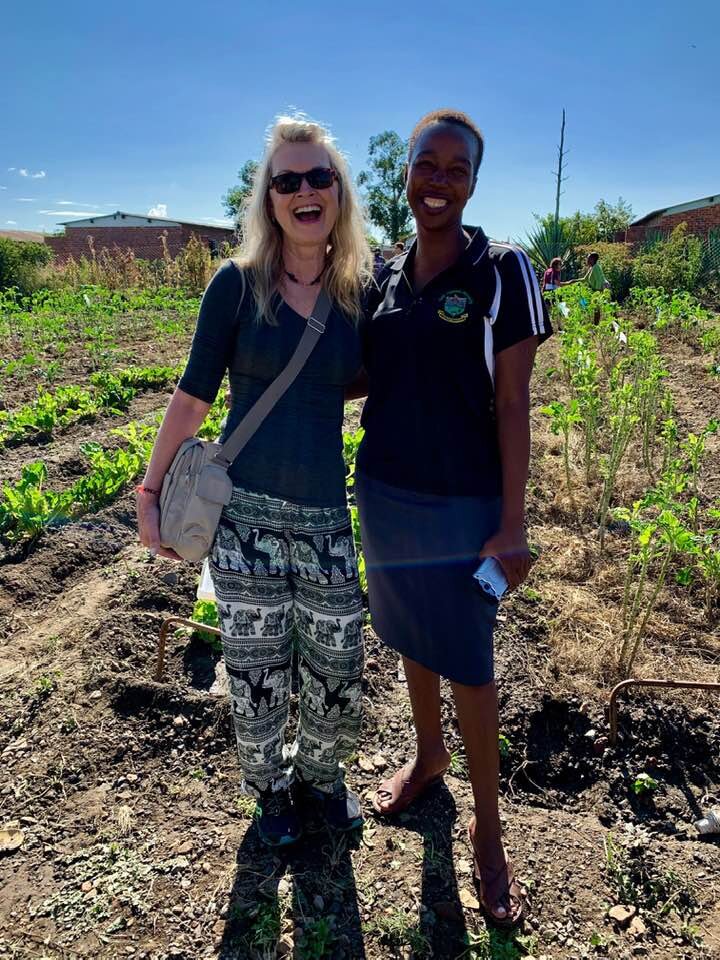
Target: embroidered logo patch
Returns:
[454, 306]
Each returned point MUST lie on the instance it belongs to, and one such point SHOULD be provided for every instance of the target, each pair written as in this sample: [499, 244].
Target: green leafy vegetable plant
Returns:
[659, 536]
[643, 784]
[205, 611]
[563, 416]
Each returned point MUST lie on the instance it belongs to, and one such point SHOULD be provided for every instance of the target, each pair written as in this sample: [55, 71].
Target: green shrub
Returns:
[616, 261]
[672, 263]
[547, 241]
[20, 264]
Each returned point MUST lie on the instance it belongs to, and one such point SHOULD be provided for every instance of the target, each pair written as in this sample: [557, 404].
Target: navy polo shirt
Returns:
[429, 418]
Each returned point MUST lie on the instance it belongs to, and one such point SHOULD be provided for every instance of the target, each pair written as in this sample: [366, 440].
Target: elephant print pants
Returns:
[286, 574]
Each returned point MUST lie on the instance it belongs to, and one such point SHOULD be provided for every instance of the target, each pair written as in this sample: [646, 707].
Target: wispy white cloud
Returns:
[26, 199]
[24, 172]
[40, 175]
[76, 203]
[11, 223]
[2, 188]
[65, 213]
[12, 169]
[159, 210]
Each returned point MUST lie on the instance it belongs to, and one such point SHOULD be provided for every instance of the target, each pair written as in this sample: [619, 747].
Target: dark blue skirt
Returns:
[421, 551]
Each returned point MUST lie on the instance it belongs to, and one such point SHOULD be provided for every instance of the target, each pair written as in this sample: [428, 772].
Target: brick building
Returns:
[701, 216]
[141, 234]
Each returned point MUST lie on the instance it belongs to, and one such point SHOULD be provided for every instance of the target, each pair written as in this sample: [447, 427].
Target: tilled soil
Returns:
[137, 844]
[134, 339]
[61, 449]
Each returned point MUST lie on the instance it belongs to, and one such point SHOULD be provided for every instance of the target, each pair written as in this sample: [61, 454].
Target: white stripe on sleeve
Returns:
[536, 291]
[532, 309]
[489, 321]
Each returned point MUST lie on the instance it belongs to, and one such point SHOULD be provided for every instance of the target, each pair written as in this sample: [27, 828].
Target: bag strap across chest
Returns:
[248, 426]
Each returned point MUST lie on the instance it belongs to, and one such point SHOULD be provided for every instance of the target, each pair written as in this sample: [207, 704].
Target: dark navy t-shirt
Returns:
[429, 418]
[297, 452]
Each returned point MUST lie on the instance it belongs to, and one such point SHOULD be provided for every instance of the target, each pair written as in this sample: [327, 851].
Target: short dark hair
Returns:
[594, 257]
[446, 115]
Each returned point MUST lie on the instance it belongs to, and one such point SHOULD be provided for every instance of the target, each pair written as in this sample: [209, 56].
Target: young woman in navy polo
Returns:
[449, 341]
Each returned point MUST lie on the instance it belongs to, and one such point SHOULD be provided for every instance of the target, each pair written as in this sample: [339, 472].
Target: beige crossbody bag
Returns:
[197, 485]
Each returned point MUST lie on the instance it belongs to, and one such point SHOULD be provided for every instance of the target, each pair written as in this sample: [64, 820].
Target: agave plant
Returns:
[548, 241]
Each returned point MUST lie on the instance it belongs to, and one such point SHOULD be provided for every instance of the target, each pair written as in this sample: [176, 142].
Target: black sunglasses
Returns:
[319, 178]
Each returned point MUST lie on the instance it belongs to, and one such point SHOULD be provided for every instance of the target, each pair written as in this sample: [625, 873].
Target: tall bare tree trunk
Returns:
[559, 173]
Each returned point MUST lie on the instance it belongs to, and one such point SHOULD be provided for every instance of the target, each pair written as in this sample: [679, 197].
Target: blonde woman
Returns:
[283, 556]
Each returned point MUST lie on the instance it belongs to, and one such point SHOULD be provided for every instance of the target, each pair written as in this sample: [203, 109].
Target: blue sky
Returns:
[139, 106]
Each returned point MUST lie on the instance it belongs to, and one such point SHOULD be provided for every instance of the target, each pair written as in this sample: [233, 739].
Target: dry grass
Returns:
[584, 635]
[582, 590]
[120, 269]
[125, 819]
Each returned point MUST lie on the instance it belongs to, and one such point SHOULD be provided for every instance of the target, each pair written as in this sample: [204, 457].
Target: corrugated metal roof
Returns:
[678, 208]
[169, 221]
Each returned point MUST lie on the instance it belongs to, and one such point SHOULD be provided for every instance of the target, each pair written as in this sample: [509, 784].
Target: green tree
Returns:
[582, 227]
[384, 185]
[21, 263]
[578, 228]
[236, 196]
[600, 226]
[610, 219]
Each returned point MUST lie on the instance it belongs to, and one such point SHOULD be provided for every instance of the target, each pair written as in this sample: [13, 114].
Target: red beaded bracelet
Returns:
[141, 488]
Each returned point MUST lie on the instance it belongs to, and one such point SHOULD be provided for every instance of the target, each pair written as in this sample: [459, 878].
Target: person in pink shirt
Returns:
[552, 278]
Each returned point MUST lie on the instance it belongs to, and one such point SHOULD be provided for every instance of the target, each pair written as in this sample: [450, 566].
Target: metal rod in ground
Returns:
[162, 640]
[636, 682]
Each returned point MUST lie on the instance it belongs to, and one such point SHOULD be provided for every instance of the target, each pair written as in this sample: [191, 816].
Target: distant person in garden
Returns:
[594, 276]
[378, 261]
[552, 278]
[284, 556]
[449, 341]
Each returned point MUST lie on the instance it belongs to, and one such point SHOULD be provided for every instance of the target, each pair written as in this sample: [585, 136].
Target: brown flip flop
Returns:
[514, 900]
[401, 792]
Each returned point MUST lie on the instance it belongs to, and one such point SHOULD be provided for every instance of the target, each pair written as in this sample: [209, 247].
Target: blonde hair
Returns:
[349, 264]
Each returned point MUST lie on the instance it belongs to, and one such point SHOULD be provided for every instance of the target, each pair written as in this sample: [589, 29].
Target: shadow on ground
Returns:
[301, 901]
